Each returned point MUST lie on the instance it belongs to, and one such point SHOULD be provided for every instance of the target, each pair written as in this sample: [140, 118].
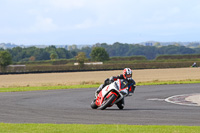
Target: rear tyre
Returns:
[93, 105]
[107, 102]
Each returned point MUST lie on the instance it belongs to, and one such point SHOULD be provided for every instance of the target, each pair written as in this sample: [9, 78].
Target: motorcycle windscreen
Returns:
[123, 83]
[123, 87]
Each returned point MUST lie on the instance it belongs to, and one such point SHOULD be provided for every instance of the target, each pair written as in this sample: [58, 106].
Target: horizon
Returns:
[79, 45]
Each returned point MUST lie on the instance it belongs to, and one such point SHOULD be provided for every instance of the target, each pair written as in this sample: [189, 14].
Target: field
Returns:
[78, 78]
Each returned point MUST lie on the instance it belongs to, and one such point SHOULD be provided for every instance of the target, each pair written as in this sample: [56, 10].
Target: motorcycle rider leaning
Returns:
[127, 75]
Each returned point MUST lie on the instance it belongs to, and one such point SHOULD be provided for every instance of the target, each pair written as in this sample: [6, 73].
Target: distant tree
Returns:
[32, 58]
[72, 47]
[177, 44]
[53, 56]
[41, 54]
[16, 53]
[157, 44]
[81, 58]
[5, 59]
[73, 53]
[61, 53]
[99, 54]
[194, 45]
[87, 50]
[51, 48]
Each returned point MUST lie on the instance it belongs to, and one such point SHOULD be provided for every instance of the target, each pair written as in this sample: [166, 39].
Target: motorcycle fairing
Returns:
[118, 88]
[101, 98]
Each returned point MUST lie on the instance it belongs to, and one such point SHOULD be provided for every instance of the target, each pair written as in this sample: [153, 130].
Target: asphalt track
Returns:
[145, 107]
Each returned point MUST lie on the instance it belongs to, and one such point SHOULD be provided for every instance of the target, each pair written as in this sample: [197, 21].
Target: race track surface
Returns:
[145, 107]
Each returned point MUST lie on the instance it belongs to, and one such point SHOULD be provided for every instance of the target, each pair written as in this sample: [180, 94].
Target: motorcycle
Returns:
[111, 94]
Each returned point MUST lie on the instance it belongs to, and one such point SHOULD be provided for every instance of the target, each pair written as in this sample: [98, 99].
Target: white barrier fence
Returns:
[90, 63]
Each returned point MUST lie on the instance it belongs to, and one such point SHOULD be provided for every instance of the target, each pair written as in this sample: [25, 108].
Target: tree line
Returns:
[150, 52]
[19, 54]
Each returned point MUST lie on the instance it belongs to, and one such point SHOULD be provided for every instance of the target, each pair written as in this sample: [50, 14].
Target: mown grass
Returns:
[90, 85]
[37, 88]
[101, 128]
[157, 82]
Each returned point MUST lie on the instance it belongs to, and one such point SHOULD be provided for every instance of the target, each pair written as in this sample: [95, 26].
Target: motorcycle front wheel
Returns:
[93, 105]
[107, 102]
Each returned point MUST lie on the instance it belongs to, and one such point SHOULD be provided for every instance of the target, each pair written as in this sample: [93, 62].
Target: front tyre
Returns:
[108, 102]
[93, 105]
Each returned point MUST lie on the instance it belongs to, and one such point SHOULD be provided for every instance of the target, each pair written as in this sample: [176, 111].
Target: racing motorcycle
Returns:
[111, 94]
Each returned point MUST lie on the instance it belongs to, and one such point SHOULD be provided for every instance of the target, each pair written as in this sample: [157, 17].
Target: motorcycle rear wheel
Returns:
[108, 102]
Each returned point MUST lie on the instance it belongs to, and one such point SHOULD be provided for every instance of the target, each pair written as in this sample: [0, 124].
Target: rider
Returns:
[127, 75]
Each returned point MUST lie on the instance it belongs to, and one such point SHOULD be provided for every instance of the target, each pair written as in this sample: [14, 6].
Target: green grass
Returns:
[34, 88]
[92, 85]
[157, 82]
[102, 128]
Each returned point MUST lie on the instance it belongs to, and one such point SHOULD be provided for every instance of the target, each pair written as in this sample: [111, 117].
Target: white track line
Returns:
[156, 99]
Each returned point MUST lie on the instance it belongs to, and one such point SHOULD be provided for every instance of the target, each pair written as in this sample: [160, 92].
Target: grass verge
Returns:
[101, 128]
[92, 85]
[157, 82]
[37, 88]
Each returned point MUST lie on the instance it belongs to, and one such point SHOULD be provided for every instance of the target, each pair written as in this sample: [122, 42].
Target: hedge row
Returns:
[71, 61]
[187, 56]
[72, 68]
[112, 59]
[52, 62]
[128, 58]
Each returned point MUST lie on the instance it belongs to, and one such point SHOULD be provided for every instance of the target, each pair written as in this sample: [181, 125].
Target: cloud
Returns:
[43, 24]
[85, 24]
[63, 4]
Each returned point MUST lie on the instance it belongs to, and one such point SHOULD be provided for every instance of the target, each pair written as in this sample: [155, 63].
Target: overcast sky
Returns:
[56, 22]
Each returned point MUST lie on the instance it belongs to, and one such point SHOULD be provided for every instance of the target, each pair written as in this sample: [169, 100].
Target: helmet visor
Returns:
[129, 75]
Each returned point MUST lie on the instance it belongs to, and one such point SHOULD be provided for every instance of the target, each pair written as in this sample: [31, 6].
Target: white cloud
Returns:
[43, 25]
[85, 24]
[63, 4]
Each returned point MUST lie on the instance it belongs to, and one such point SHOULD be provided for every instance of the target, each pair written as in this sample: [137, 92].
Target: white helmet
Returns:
[127, 73]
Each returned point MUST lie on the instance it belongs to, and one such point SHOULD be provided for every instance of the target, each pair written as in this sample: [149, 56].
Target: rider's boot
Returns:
[121, 104]
[98, 90]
